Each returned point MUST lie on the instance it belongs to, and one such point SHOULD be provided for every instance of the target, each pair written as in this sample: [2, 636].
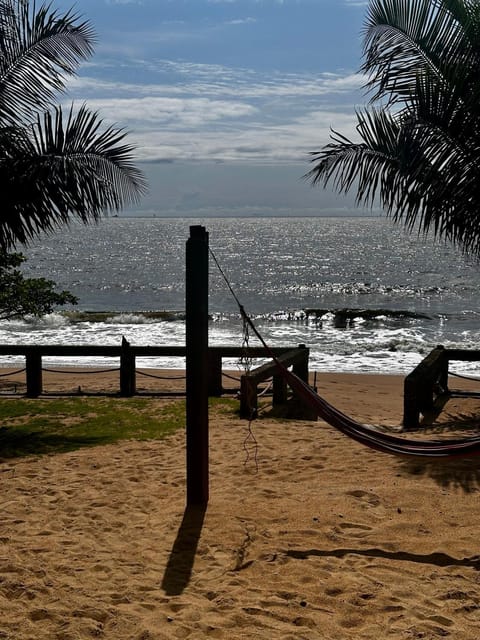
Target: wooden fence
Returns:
[127, 355]
[298, 359]
[426, 387]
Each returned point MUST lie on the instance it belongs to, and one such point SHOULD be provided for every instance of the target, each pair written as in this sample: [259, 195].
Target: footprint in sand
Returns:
[353, 530]
[366, 497]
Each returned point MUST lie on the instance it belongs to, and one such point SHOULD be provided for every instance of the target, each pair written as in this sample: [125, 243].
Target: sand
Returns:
[324, 540]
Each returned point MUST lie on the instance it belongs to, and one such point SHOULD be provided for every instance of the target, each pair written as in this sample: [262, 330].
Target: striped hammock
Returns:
[369, 436]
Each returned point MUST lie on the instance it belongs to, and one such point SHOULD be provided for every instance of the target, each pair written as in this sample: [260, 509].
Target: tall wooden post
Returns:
[196, 340]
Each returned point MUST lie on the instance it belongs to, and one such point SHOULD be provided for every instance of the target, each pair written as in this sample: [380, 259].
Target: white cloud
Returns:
[258, 142]
[220, 81]
[213, 112]
[241, 21]
[172, 112]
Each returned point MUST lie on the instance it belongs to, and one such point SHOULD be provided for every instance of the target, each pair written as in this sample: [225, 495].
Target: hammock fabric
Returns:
[385, 442]
[452, 448]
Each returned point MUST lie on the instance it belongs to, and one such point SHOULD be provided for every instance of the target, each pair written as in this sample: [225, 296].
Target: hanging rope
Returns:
[464, 377]
[250, 444]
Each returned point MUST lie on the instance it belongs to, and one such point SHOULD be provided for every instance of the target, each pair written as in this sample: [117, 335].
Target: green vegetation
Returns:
[54, 166]
[20, 296]
[56, 425]
[418, 149]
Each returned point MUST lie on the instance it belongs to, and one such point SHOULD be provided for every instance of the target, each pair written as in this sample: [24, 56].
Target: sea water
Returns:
[360, 292]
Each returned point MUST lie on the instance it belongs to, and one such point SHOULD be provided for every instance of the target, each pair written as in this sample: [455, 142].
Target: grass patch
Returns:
[57, 425]
[224, 406]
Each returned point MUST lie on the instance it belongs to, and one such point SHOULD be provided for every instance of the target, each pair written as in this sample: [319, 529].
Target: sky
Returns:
[225, 99]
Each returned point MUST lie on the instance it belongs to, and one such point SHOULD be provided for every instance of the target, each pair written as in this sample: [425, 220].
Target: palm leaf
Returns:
[418, 154]
[404, 39]
[66, 167]
[38, 48]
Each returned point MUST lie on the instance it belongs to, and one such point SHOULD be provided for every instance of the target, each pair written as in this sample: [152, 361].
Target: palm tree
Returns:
[53, 165]
[419, 148]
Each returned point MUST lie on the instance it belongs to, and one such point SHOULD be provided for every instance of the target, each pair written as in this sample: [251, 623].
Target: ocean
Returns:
[360, 292]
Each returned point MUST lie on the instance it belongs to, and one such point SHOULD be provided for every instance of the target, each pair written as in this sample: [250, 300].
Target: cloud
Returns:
[165, 77]
[241, 21]
[174, 113]
[188, 111]
[257, 143]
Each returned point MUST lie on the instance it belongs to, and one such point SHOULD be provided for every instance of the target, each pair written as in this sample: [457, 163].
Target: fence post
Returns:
[303, 410]
[215, 386]
[279, 389]
[127, 370]
[196, 341]
[300, 368]
[33, 363]
[411, 410]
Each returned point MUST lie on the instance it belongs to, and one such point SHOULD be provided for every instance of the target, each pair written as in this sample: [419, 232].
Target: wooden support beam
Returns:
[298, 358]
[215, 382]
[196, 342]
[423, 385]
[127, 370]
[33, 364]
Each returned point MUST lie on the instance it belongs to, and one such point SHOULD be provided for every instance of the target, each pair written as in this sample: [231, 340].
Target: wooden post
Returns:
[33, 363]
[215, 385]
[300, 367]
[280, 391]
[127, 370]
[196, 341]
[411, 411]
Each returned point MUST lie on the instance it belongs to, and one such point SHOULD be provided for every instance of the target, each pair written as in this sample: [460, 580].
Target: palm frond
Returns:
[404, 39]
[414, 172]
[66, 167]
[419, 153]
[38, 48]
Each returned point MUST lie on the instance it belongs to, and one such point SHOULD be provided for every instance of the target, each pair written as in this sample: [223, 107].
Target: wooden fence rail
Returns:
[426, 387]
[298, 359]
[127, 355]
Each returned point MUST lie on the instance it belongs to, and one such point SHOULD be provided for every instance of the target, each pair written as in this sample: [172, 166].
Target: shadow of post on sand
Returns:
[182, 556]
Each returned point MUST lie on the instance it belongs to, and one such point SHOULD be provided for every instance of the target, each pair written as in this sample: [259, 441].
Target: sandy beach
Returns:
[325, 539]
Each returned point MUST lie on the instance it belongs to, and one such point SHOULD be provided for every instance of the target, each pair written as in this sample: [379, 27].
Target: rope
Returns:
[12, 373]
[151, 375]
[250, 444]
[266, 390]
[226, 375]
[226, 279]
[66, 371]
